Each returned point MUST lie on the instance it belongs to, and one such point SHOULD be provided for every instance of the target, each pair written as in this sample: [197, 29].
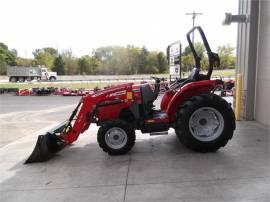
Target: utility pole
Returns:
[194, 14]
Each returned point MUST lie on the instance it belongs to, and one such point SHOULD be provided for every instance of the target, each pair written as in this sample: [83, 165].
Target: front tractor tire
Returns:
[116, 137]
[205, 123]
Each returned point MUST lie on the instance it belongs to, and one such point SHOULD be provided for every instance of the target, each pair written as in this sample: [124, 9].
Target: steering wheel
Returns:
[157, 84]
[158, 80]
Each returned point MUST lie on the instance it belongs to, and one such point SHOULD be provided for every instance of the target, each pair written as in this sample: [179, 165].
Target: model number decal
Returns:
[123, 92]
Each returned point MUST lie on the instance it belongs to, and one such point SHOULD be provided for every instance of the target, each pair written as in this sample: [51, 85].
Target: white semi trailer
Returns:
[22, 73]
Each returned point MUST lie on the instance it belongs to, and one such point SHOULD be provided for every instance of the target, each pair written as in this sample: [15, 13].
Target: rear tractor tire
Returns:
[116, 137]
[205, 123]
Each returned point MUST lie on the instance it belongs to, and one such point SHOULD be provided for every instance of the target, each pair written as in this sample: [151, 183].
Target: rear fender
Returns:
[166, 99]
[189, 90]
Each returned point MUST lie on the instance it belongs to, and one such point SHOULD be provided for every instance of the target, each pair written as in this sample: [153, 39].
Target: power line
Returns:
[194, 15]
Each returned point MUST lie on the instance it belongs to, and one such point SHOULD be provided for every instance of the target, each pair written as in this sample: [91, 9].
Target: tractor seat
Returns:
[148, 97]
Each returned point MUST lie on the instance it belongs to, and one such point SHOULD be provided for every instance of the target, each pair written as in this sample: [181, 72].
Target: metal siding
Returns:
[246, 58]
[262, 106]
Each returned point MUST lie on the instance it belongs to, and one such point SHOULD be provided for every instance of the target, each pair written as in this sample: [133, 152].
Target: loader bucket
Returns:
[52, 142]
[46, 147]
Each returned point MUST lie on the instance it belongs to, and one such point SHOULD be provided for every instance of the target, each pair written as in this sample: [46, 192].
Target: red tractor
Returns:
[202, 120]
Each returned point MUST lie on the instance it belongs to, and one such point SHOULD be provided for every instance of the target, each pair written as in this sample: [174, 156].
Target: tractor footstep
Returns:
[159, 133]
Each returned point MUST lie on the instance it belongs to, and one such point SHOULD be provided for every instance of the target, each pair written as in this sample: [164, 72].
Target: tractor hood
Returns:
[113, 91]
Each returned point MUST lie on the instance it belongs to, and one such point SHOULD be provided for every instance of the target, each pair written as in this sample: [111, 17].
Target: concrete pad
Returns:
[157, 169]
[82, 164]
[164, 159]
[256, 189]
[16, 125]
[81, 194]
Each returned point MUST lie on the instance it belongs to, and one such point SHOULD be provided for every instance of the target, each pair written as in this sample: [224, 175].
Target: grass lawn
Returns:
[55, 85]
[91, 85]
[224, 73]
[215, 73]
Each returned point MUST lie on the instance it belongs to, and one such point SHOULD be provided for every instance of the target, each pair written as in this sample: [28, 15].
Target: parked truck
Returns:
[22, 73]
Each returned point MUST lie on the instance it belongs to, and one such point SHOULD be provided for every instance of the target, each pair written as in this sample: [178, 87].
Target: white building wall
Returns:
[262, 92]
[246, 55]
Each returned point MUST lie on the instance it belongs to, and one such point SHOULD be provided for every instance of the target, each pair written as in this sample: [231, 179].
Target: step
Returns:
[159, 133]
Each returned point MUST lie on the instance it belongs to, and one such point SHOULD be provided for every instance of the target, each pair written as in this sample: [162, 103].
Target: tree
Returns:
[88, 65]
[59, 65]
[188, 58]
[199, 48]
[129, 60]
[71, 62]
[45, 56]
[227, 57]
[187, 62]
[104, 53]
[51, 51]
[142, 67]
[133, 59]
[117, 63]
[3, 46]
[25, 62]
[3, 66]
[151, 63]
[162, 63]
[7, 57]
[107, 60]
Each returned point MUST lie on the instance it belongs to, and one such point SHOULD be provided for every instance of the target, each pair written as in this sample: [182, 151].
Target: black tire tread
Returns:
[189, 107]
[117, 123]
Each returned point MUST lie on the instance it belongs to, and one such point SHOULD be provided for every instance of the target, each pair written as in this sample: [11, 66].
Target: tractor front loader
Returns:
[203, 121]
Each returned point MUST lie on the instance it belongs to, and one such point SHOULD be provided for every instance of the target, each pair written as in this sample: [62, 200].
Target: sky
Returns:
[83, 25]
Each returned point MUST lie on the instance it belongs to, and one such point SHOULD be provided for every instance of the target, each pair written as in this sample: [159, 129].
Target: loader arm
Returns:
[87, 114]
[62, 135]
[95, 108]
[81, 121]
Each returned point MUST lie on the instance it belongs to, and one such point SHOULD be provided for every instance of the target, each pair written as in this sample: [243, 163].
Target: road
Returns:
[10, 103]
[24, 115]
[125, 78]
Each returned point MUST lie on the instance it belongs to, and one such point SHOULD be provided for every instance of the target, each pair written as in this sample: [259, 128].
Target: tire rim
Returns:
[116, 138]
[206, 124]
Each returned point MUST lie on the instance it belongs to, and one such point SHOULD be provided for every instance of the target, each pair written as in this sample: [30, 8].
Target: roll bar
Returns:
[213, 58]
